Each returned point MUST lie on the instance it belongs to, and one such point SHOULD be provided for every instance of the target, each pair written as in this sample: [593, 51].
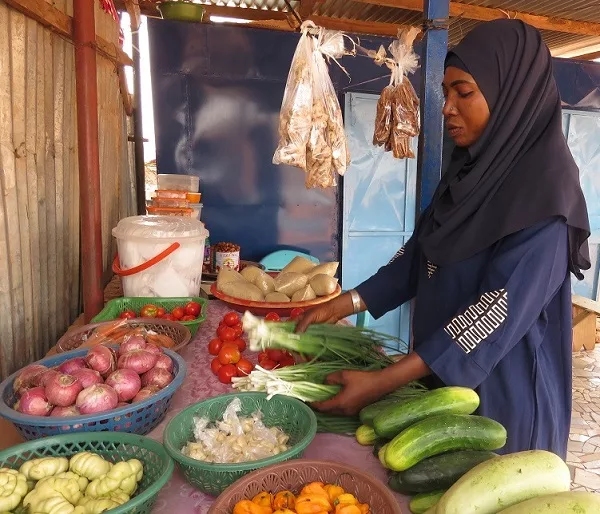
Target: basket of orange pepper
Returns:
[307, 487]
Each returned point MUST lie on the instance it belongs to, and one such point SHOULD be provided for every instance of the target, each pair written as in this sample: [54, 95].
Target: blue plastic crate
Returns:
[139, 418]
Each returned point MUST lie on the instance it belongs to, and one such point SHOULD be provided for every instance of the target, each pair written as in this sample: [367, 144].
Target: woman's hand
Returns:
[330, 312]
[359, 389]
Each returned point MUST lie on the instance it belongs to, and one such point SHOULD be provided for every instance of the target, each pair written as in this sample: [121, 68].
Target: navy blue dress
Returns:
[499, 322]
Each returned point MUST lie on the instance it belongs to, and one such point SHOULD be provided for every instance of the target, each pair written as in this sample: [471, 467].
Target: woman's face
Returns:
[466, 110]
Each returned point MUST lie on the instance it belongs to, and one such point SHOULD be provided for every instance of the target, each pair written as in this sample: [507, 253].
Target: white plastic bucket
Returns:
[160, 256]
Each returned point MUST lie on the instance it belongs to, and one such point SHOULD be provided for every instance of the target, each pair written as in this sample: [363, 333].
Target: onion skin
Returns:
[133, 343]
[42, 379]
[88, 377]
[26, 378]
[62, 390]
[145, 393]
[158, 377]
[126, 383]
[65, 412]
[68, 367]
[101, 359]
[34, 402]
[97, 398]
[152, 348]
[164, 362]
[139, 361]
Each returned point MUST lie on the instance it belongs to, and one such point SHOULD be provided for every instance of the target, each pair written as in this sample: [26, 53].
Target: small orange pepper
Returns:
[312, 504]
[314, 488]
[333, 491]
[347, 509]
[284, 511]
[263, 499]
[346, 499]
[248, 507]
[284, 500]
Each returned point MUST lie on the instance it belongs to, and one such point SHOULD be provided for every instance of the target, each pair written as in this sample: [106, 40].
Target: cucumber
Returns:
[441, 434]
[395, 484]
[381, 455]
[377, 445]
[391, 420]
[505, 481]
[368, 413]
[365, 435]
[422, 502]
[441, 471]
[574, 502]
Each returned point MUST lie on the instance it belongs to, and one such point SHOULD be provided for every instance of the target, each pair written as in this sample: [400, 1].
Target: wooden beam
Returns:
[307, 7]
[244, 13]
[588, 57]
[57, 21]
[135, 15]
[474, 12]
[357, 26]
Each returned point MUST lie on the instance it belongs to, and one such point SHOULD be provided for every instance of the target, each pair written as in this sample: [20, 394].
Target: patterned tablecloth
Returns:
[178, 496]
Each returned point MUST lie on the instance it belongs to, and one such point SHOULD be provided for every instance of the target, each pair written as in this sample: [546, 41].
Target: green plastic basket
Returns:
[115, 307]
[158, 466]
[294, 417]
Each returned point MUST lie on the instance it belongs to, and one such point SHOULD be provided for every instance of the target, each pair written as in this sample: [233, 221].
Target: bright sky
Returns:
[147, 108]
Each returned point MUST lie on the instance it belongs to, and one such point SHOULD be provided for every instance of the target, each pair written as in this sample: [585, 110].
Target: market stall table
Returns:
[199, 384]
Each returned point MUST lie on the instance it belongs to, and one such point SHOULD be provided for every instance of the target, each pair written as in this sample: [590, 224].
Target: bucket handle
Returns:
[116, 267]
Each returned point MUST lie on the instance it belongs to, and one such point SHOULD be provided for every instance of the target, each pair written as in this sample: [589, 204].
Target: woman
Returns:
[490, 260]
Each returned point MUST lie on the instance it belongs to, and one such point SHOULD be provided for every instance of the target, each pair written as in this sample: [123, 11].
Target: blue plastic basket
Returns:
[138, 418]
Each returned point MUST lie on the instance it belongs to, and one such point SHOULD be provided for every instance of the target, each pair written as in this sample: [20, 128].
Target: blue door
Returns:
[582, 131]
[378, 207]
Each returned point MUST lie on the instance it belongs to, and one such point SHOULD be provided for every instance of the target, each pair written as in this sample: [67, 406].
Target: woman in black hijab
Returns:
[490, 261]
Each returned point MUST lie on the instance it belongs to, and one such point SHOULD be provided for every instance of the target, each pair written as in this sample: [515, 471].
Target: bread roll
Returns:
[289, 283]
[277, 298]
[299, 265]
[303, 295]
[243, 290]
[323, 285]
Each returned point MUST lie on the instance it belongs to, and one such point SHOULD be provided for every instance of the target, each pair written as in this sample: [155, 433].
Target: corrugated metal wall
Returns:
[39, 183]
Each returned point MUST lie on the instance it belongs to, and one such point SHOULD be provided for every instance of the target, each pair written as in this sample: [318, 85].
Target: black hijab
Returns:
[520, 172]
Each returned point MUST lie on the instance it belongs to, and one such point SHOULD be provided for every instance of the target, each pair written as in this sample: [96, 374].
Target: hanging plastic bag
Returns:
[397, 119]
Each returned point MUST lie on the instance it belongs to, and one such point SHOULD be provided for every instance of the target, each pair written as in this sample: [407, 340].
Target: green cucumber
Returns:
[441, 471]
[368, 413]
[441, 434]
[365, 435]
[422, 502]
[506, 480]
[392, 419]
[378, 444]
[574, 502]
[381, 455]
[395, 484]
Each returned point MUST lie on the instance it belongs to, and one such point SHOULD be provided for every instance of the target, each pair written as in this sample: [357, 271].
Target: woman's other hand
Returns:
[330, 312]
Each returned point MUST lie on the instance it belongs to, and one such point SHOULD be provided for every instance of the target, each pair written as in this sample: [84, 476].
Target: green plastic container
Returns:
[158, 466]
[181, 11]
[115, 307]
[294, 417]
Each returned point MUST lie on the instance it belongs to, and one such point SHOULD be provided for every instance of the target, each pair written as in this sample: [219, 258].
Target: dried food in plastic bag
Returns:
[383, 118]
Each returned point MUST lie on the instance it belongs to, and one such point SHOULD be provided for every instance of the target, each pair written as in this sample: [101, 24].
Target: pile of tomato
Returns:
[228, 348]
[187, 312]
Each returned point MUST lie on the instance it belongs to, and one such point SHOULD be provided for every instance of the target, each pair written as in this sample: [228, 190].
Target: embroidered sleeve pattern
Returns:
[479, 321]
[399, 253]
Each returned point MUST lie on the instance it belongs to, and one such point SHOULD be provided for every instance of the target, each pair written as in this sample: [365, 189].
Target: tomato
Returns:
[296, 313]
[262, 356]
[149, 311]
[244, 367]
[231, 319]
[272, 316]
[188, 317]
[215, 365]
[192, 309]
[226, 373]
[267, 364]
[275, 355]
[227, 334]
[160, 312]
[214, 347]
[287, 361]
[178, 312]
[240, 343]
[170, 317]
[127, 315]
[229, 354]
[238, 331]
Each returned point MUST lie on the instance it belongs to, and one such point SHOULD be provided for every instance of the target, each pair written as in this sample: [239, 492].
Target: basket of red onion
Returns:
[126, 388]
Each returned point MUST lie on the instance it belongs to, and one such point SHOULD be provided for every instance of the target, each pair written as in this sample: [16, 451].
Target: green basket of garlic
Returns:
[84, 473]
[217, 441]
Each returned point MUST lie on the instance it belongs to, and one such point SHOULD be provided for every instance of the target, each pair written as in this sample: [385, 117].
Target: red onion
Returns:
[158, 377]
[96, 398]
[125, 382]
[34, 402]
[25, 379]
[88, 377]
[122, 404]
[133, 343]
[64, 412]
[139, 361]
[101, 359]
[164, 362]
[62, 390]
[68, 367]
[152, 348]
[42, 379]
[145, 392]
